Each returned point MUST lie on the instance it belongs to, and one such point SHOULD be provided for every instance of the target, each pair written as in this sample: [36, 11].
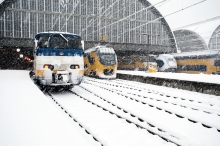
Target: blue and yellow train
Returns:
[207, 62]
[101, 62]
[58, 59]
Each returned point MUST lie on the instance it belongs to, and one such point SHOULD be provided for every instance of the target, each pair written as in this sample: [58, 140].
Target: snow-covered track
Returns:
[192, 117]
[157, 131]
[74, 119]
[207, 103]
[197, 96]
[153, 111]
[172, 108]
[89, 115]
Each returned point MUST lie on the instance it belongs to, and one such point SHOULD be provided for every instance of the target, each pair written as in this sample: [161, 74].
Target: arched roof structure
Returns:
[214, 42]
[206, 29]
[188, 41]
[114, 22]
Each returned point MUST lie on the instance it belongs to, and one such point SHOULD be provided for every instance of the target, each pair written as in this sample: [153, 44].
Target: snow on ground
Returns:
[187, 132]
[28, 118]
[180, 76]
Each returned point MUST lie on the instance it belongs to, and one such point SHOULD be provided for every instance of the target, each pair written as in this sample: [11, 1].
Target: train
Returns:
[206, 62]
[100, 62]
[138, 63]
[58, 60]
[166, 63]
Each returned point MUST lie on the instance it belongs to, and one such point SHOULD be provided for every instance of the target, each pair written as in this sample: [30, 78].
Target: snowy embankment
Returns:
[215, 79]
[28, 118]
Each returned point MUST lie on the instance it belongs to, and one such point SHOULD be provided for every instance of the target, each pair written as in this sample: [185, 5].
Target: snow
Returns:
[178, 76]
[29, 117]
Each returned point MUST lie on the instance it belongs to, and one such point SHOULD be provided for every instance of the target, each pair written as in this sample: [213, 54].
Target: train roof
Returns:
[103, 49]
[196, 53]
[48, 33]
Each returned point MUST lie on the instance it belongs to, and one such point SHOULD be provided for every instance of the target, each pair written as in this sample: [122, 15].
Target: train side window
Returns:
[179, 67]
[202, 67]
[193, 67]
[177, 58]
[188, 67]
[196, 67]
[202, 57]
[193, 57]
[217, 63]
[185, 57]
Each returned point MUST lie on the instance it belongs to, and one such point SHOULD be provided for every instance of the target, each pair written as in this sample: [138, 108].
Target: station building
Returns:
[214, 42]
[188, 41]
[129, 26]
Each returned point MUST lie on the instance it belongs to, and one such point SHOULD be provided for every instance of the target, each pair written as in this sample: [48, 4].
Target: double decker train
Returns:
[138, 63]
[207, 62]
[101, 62]
[58, 60]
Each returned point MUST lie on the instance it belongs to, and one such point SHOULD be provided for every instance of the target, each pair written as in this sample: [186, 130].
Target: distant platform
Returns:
[203, 83]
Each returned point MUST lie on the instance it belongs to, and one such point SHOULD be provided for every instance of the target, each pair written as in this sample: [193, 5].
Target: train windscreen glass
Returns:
[59, 42]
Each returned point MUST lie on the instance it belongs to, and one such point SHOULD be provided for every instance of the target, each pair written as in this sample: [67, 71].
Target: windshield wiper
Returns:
[64, 37]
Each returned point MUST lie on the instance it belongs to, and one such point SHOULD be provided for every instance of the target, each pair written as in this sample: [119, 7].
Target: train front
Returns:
[58, 59]
[108, 60]
[166, 63]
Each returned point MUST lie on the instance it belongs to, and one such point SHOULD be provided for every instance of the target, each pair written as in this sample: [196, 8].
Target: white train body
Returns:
[166, 63]
[58, 59]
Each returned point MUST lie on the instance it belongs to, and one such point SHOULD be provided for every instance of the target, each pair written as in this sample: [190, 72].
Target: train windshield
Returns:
[107, 58]
[60, 42]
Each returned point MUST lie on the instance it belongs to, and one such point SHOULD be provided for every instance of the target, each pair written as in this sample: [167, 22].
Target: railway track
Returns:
[181, 111]
[108, 109]
[89, 114]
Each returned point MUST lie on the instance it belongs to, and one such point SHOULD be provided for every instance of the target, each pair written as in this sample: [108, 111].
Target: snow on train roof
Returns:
[57, 32]
[204, 52]
[102, 49]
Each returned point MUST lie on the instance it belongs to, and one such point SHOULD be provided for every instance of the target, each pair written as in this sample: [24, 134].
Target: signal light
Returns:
[46, 66]
[74, 66]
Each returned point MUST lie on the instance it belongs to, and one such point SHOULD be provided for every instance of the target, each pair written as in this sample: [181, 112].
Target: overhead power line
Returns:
[197, 23]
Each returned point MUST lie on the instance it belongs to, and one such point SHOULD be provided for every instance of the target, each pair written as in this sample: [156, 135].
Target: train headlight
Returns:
[74, 66]
[46, 66]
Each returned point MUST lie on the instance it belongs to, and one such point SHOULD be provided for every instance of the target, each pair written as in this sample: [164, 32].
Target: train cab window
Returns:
[160, 63]
[62, 42]
[74, 43]
[58, 42]
[43, 42]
